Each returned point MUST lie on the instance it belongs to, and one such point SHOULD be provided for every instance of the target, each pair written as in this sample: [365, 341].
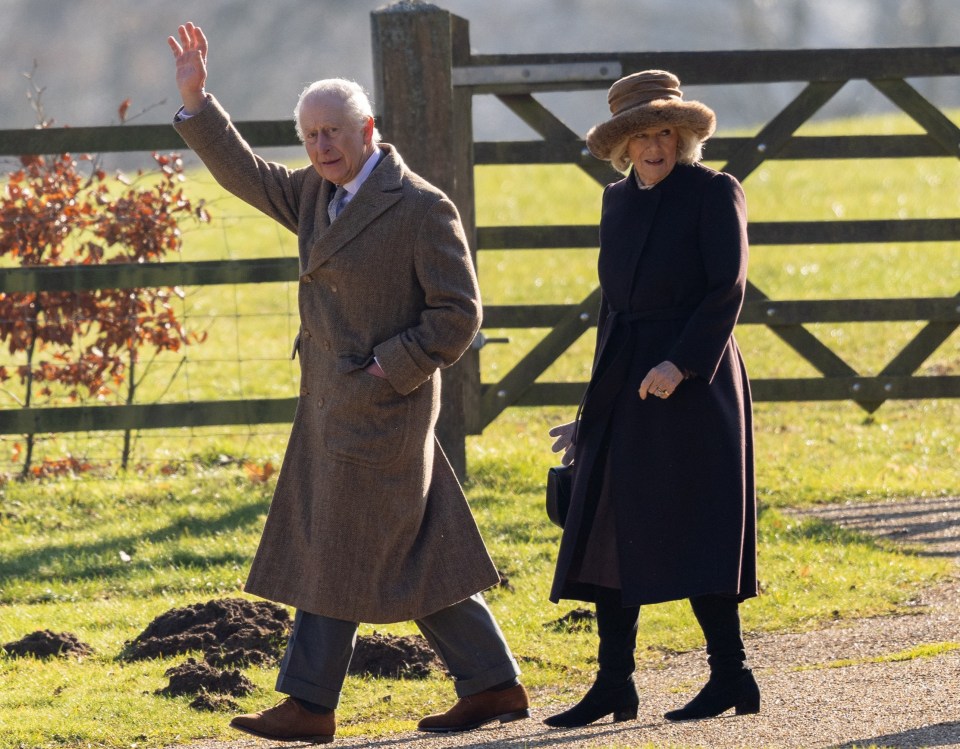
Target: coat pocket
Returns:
[367, 422]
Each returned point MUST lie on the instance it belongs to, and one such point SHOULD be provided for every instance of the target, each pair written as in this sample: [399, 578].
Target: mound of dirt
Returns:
[577, 620]
[203, 679]
[215, 703]
[47, 644]
[394, 657]
[229, 631]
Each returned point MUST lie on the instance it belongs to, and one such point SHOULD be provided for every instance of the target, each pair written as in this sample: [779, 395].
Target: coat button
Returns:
[304, 391]
[306, 279]
[319, 402]
[333, 288]
[326, 345]
[306, 334]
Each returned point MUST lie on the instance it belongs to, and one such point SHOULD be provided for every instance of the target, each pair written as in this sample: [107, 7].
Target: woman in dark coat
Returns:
[663, 504]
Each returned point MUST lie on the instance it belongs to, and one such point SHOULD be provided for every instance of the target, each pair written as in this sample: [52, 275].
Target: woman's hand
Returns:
[661, 381]
[190, 55]
[565, 434]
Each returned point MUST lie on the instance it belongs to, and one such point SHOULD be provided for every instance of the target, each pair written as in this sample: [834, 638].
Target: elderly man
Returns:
[368, 522]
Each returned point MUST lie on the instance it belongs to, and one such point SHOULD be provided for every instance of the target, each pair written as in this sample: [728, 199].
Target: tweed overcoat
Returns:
[368, 522]
[678, 471]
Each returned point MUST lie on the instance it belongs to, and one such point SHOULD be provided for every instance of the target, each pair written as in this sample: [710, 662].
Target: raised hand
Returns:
[190, 54]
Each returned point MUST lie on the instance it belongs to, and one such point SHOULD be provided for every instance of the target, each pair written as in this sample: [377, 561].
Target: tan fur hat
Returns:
[643, 100]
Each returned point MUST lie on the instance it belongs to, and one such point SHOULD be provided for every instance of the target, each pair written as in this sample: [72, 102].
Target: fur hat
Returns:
[644, 100]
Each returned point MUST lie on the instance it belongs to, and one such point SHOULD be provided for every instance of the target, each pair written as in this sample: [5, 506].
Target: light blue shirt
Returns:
[353, 185]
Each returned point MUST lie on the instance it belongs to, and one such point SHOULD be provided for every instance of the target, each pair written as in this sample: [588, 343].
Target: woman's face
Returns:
[653, 152]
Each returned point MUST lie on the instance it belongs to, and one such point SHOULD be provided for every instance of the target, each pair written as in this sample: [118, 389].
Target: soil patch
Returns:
[394, 657]
[577, 620]
[215, 703]
[47, 644]
[229, 631]
[234, 631]
[200, 678]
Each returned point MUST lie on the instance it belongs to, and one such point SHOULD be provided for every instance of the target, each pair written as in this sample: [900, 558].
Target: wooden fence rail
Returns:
[514, 79]
[425, 79]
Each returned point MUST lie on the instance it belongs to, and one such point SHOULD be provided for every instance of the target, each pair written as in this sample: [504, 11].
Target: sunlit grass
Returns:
[189, 537]
[926, 650]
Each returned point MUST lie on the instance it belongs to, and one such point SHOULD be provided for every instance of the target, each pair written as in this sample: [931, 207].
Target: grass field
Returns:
[188, 524]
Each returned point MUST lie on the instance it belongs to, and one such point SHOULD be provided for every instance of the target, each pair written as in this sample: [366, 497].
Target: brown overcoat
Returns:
[677, 473]
[368, 522]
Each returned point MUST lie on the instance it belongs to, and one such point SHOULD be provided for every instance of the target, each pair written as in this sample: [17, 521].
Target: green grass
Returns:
[926, 650]
[191, 519]
[189, 538]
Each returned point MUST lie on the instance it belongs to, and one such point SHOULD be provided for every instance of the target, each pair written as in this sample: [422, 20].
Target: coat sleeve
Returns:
[724, 251]
[451, 314]
[269, 187]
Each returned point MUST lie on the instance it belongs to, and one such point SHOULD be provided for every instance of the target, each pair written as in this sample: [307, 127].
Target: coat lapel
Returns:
[377, 194]
[626, 222]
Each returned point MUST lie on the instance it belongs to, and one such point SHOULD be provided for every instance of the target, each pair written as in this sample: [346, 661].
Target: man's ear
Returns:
[368, 131]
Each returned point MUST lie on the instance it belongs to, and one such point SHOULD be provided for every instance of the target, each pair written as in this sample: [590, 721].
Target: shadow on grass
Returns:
[924, 527]
[26, 565]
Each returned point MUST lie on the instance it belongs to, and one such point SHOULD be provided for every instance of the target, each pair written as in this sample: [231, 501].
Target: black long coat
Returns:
[672, 270]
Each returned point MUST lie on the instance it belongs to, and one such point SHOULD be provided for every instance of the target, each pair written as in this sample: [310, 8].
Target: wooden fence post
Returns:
[415, 47]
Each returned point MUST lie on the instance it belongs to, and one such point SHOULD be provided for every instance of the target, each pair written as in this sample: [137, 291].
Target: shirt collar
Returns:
[640, 184]
[353, 185]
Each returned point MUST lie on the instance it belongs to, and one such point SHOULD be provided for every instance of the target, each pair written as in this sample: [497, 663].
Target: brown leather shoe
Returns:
[479, 709]
[288, 721]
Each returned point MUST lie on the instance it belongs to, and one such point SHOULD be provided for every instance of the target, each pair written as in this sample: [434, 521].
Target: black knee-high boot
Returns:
[731, 683]
[613, 692]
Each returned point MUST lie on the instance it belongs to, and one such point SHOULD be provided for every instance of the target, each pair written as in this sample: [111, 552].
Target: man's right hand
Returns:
[191, 58]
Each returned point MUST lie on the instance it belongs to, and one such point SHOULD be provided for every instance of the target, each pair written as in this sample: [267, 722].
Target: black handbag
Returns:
[559, 489]
[560, 482]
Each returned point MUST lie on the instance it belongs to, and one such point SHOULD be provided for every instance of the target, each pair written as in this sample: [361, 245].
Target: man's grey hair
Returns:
[689, 149]
[355, 101]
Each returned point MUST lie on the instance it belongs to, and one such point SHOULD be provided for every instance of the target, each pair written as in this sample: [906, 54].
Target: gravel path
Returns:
[807, 702]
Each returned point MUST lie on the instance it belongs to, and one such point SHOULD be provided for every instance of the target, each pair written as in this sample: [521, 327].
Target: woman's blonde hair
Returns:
[689, 149]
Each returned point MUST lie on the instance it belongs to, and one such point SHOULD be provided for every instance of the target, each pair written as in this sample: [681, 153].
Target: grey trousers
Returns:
[465, 636]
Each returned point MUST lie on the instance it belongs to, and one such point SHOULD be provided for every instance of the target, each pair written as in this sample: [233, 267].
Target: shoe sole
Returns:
[505, 718]
[619, 716]
[750, 710]
[320, 739]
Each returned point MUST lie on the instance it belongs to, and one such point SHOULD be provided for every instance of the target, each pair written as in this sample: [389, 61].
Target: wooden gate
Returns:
[425, 81]
[427, 77]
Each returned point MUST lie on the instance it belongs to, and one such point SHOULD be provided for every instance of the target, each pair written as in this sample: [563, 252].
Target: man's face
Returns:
[336, 143]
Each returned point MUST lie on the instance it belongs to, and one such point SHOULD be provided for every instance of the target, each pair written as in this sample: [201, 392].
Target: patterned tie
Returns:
[336, 203]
